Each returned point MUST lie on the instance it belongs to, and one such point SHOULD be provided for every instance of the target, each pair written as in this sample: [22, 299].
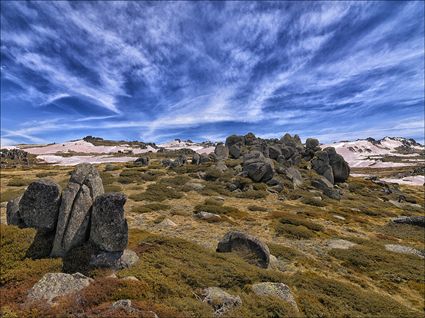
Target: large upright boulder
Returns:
[340, 168]
[257, 167]
[221, 151]
[39, 206]
[274, 152]
[246, 245]
[321, 165]
[109, 229]
[72, 230]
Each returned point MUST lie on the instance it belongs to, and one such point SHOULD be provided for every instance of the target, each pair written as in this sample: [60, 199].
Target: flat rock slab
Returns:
[53, 285]
[278, 290]
[340, 244]
[404, 250]
[411, 220]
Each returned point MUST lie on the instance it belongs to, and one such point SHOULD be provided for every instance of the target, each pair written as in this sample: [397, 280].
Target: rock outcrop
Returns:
[246, 245]
[39, 205]
[72, 230]
[142, 161]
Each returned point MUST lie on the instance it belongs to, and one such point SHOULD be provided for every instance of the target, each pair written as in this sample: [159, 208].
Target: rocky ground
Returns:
[315, 241]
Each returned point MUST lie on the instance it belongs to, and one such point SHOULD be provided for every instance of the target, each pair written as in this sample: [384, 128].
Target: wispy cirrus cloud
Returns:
[134, 70]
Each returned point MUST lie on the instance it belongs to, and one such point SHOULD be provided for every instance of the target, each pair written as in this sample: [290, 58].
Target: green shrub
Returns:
[107, 178]
[18, 182]
[215, 206]
[112, 188]
[150, 207]
[10, 194]
[252, 194]
[299, 220]
[324, 297]
[294, 231]
[46, 174]
[157, 192]
[15, 266]
[283, 252]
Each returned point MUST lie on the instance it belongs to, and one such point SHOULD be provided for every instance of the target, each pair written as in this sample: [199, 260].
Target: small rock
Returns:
[114, 260]
[278, 290]
[404, 250]
[339, 217]
[132, 278]
[167, 223]
[195, 186]
[207, 216]
[52, 285]
[220, 300]
[340, 244]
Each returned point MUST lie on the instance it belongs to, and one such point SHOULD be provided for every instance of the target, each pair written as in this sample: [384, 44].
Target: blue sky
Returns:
[204, 70]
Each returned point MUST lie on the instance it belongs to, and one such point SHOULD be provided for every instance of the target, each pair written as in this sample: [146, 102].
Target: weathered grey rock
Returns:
[235, 140]
[53, 285]
[143, 161]
[221, 151]
[205, 158]
[196, 159]
[257, 167]
[312, 143]
[340, 168]
[179, 161]
[167, 223]
[166, 162]
[326, 187]
[278, 290]
[109, 229]
[320, 164]
[221, 166]
[274, 152]
[75, 210]
[295, 176]
[114, 260]
[12, 213]
[411, 220]
[250, 139]
[220, 300]
[39, 205]
[235, 151]
[245, 244]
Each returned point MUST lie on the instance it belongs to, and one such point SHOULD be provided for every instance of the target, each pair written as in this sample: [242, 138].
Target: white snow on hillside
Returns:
[177, 145]
[364, 153]
[82, 146]
[74, 160]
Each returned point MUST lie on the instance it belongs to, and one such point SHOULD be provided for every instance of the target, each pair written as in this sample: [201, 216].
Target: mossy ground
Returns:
[176, 263]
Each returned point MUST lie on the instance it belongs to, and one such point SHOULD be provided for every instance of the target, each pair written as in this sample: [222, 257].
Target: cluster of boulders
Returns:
[13, 157]
[262, 159]
[79, 214]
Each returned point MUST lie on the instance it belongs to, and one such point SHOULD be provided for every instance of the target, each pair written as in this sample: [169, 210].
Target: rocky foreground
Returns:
[257, 228]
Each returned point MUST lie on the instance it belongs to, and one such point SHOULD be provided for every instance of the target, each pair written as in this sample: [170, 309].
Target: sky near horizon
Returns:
[156, 71]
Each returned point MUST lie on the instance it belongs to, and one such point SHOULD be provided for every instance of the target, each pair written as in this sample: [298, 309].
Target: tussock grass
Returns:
[295, 226]
[254, 207]
[217, 207]
[150, 207]
[18, 182]
[10, 194]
